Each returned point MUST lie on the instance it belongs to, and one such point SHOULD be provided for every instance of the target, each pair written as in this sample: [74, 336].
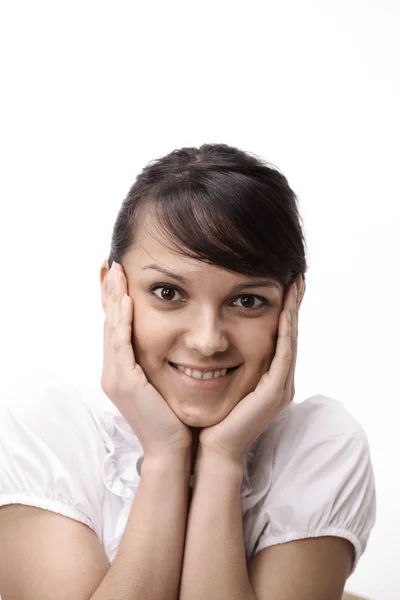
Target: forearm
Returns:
[149, 560]
[214, 562]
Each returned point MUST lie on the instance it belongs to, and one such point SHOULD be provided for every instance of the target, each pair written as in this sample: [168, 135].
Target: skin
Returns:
[203, 323]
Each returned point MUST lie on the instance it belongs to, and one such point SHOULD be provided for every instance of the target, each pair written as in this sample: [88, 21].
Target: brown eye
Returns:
[166, 293]
[251, 301]
[247, 301]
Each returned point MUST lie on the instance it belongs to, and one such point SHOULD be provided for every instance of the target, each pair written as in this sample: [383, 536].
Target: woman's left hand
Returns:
[251, 416]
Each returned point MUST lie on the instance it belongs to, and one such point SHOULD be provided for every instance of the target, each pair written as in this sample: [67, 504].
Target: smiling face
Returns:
[194, 314]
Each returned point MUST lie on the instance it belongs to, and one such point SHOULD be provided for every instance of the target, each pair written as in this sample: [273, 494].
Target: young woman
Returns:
[201, 478]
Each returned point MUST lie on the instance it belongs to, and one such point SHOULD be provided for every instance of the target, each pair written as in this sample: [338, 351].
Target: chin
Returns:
[199, 415]
[202, 421]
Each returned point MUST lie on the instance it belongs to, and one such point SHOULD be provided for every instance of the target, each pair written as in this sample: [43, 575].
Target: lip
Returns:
[204, 369]
[203, 384]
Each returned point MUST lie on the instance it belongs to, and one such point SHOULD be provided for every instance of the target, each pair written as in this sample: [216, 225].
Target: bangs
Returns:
[225, 219]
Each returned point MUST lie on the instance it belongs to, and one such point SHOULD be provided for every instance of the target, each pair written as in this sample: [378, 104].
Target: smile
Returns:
[202, 374]
[203, 379]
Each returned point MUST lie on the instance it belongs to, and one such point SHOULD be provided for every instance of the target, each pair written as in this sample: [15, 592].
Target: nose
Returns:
[206, 334]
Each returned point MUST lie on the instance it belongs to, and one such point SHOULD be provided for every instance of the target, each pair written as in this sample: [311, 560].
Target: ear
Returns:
[103, 283]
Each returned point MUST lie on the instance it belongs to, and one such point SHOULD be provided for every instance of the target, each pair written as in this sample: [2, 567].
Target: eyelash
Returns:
[264, 302]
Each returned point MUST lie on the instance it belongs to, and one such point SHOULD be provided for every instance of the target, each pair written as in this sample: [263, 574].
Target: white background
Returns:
[91, 91]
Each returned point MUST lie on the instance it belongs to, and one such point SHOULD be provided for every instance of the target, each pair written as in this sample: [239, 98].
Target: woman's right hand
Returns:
[158, 429]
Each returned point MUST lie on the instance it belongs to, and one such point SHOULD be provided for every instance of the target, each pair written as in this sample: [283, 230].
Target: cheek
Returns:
[150, 333]
[259, 346]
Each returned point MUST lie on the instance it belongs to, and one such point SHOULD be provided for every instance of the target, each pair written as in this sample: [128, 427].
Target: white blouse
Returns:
[66, 448]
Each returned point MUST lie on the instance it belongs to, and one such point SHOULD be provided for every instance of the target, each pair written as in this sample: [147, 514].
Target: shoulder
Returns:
[319, 434]
[43, 405]
[314, 465]
[51, 449]
[50, 405]
[327, 412]
[307, 423]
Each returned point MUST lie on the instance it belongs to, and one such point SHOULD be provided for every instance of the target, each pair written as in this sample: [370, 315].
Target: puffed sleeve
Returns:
[323, 481]
[50, 452]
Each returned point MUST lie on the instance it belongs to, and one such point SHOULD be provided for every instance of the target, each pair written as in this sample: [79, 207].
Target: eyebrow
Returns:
[237, 288]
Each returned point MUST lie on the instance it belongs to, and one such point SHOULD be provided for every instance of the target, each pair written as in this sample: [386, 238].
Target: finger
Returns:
[118, 351]
[116, 288]
[301, 291]
[113, 299]
[281, 362]
[300, 294]
[289, 389]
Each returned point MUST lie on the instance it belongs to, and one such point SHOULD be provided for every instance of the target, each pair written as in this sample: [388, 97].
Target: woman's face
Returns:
[196, 315]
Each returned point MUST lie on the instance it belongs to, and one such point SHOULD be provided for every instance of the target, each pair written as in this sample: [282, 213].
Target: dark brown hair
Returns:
[220, 205]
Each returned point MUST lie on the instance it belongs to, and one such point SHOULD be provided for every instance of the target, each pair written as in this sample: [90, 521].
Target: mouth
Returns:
[203, 379]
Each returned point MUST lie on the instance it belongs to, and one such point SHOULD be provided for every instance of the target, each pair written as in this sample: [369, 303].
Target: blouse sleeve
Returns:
[322, 489]
[49, 451]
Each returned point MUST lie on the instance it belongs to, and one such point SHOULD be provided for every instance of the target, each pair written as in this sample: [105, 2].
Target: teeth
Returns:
[209, 375]
[200, 375]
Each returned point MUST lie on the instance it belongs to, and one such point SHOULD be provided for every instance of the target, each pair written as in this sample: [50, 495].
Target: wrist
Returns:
[176, 462]
[216, 462]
